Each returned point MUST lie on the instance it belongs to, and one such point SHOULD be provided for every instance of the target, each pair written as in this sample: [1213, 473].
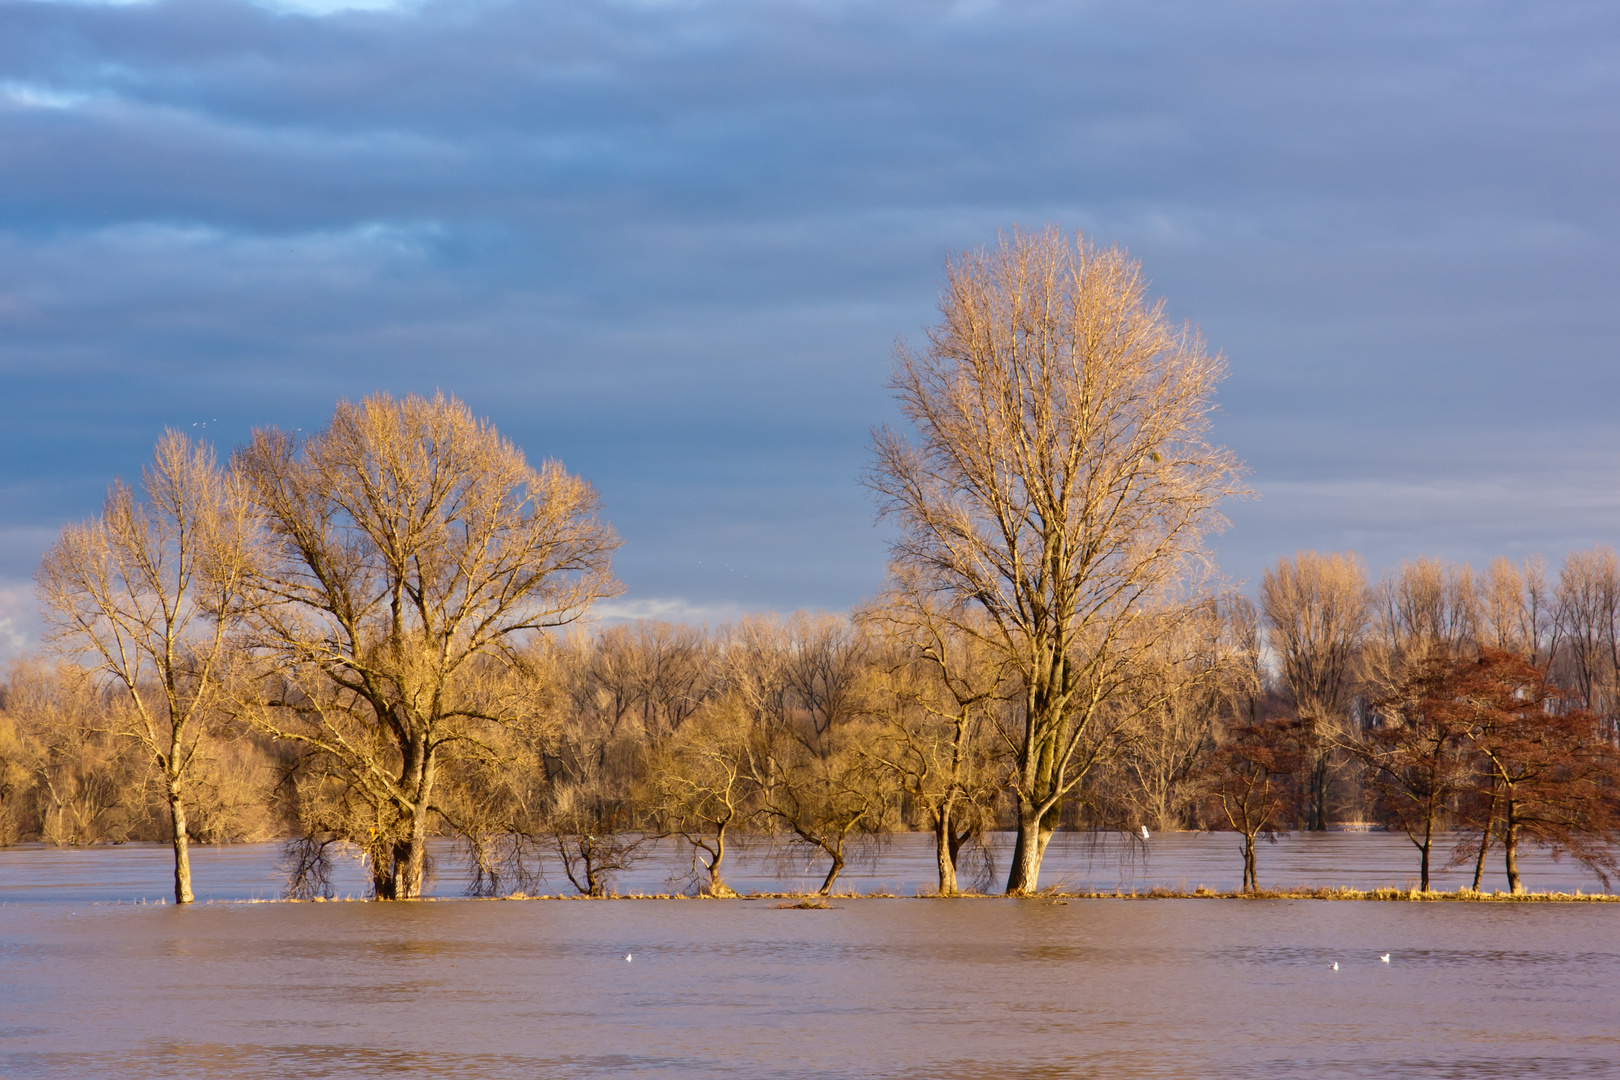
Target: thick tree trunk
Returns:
[410, 853]
[1034, 832]
[717, 886]
[1251, 878]
[947, 857]
[182, 847]
[410, 859]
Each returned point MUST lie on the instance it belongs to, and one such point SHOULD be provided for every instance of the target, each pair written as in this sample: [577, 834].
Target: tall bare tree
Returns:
[407, 543]
[1514, 608]
[1316, 607]
[807, 682]
[1588, 628]
[1426, 607]
[142, 592]
[1059, 481]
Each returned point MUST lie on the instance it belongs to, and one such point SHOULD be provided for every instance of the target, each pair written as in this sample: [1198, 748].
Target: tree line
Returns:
[1477, 710]
[371, 636]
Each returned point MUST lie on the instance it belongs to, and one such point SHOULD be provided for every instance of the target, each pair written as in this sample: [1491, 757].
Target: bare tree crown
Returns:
[1059, 484]
[1061, 468]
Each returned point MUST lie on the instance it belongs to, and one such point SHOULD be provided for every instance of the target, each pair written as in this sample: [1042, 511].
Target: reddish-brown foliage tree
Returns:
[1545, 773]
[1252, 781]
[1418, 758]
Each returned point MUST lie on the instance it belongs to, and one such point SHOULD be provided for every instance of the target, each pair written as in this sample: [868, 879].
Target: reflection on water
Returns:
[887, 988]
[903, 865]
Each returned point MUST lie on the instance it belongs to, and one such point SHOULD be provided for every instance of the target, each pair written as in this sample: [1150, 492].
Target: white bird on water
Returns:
[1335, 965]
[627, 958]
[1385, 958]
[1144, 832]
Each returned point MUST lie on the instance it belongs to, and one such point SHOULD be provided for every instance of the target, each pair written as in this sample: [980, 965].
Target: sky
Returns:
[671, 244]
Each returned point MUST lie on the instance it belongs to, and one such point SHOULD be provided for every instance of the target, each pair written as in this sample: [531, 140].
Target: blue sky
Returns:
[671, 243]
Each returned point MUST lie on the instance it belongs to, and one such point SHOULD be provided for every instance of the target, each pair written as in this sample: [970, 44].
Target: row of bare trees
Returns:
[817, 735]
[377, 609]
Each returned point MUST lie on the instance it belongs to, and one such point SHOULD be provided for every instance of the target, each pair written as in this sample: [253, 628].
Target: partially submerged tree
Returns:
[1417, 756]
[824, 795]
[1058, 484]
[701, 788]
[1548, 773]
[407, 543]
[1253, 784]
[143, 591]
[806, 685]
[936, 729]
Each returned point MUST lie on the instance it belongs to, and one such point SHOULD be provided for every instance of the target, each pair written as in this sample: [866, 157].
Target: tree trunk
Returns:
[947, 857]
[718, 887]
[1034, 833]
[1251, 878]
[1485, 839]
[832, 873]
[1316, 814]
[410, 854]
[1510, 847]
[182, 847]
[382, 871]
[1428, 845]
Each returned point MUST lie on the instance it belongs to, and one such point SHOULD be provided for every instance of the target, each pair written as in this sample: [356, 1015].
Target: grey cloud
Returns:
[671, 245]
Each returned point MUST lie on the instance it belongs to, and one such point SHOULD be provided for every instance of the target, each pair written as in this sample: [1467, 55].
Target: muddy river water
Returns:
[919, 988]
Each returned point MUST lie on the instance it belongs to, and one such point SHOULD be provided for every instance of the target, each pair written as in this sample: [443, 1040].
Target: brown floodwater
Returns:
[902, 864]
[870, 988]
[95, 981]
